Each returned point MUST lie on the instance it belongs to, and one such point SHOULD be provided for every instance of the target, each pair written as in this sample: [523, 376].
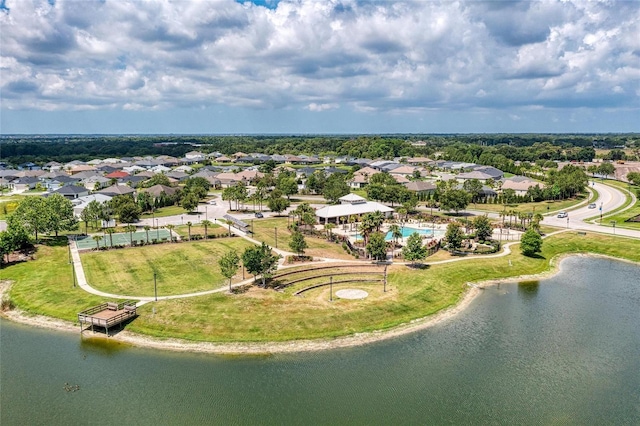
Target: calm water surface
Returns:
[562, 351]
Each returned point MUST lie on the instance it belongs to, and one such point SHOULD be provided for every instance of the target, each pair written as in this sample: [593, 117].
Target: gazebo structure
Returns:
[350, 205]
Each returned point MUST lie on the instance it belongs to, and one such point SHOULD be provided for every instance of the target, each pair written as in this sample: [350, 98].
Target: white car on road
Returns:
[562, 215]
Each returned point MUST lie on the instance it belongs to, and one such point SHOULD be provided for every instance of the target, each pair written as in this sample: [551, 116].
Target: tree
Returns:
[414, 250]
[377, 246]
[158, 179]
[97, 239]
[531, 242]
[315, 183]
[228, 195]
[189, 201]
[130, 229]
[474, 188]
[86, 217]
[170, 228]
[454, 199]
[32, 214]
[300, 211]
[278, 204]
[206, 224]
[229, 264]
[634, 178]
[146, 229]
[14, 238]
[606, 169]
[259, 260]
[297, 243]
[288, 186]
[110, 231]
[189, 225]
[198, 186]
[145, 201]
[396, 232]
[335, 187]
[125, 208]
[454, 236]
[60, 214]
[482, 225]
[328, 227]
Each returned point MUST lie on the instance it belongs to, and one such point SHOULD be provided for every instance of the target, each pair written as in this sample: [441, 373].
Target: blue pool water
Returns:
[406, 231]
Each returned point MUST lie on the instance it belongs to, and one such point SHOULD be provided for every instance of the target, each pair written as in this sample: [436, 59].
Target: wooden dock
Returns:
[107, 315]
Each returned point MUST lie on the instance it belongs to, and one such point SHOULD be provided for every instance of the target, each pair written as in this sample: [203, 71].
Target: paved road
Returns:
[609, 199]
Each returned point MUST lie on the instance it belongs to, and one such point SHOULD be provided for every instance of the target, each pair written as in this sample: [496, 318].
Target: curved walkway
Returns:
[506, 250]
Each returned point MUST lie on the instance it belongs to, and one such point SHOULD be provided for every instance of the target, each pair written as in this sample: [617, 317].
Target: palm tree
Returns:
[537, 218]
[206, 224]
[328, 227]
[352, 220]
[97, 239]
[146, 229]
[377, 219]
[130, 229]
[189, 225]
[396, 232]
[170, 228]
[110, 231]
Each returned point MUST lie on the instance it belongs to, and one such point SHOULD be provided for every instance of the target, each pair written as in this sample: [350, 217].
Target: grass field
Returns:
[44, 286]
[619, 216]
[267, 315]
[180, 268]
[264, 230]
[213, 229]
[539, 207]
[170, 211]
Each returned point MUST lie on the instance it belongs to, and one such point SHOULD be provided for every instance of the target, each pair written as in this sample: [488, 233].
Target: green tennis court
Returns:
[122, 238]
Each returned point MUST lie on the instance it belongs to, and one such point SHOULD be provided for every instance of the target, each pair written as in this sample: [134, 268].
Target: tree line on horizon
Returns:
[18, 150]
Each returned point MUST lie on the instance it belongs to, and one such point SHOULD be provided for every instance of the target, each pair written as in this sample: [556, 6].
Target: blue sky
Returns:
[329, 66]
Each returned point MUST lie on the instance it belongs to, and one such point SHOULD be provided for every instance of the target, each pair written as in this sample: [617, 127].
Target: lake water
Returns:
[562, 351]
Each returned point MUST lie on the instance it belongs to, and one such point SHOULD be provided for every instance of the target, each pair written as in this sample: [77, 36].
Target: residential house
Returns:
[26, 183]
[71, 191]
[115, 190]
[421, 187]
[81, 203]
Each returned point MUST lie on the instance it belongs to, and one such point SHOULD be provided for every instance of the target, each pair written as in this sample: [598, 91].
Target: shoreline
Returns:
[293, 346]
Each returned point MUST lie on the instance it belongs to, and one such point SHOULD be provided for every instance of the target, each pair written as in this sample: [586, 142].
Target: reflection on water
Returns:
[101, 345]
[564, 351]
[528, 288]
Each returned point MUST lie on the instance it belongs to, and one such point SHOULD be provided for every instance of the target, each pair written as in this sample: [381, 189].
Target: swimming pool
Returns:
[406, 231]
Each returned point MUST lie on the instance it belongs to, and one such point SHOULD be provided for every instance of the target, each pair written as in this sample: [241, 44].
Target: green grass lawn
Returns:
[44, 286]
[264, 230]
[619, 216]
[170, 211]
[180, 268]
[213, 229]
[539, 207]
[267, 315]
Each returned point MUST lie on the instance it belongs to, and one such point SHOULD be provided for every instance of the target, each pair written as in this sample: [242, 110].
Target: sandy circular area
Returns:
[351, 293]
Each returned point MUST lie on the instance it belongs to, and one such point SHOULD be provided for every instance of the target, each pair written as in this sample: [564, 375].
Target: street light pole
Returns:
[330, 289]
[155, 287]
[157, 230]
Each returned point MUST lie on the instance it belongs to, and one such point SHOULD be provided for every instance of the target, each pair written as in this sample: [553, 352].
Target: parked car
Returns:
[592, 205]
[562, 215]
[259, 215]
[212, 202]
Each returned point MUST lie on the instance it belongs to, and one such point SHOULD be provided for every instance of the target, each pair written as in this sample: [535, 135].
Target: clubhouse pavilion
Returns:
[350, 205]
